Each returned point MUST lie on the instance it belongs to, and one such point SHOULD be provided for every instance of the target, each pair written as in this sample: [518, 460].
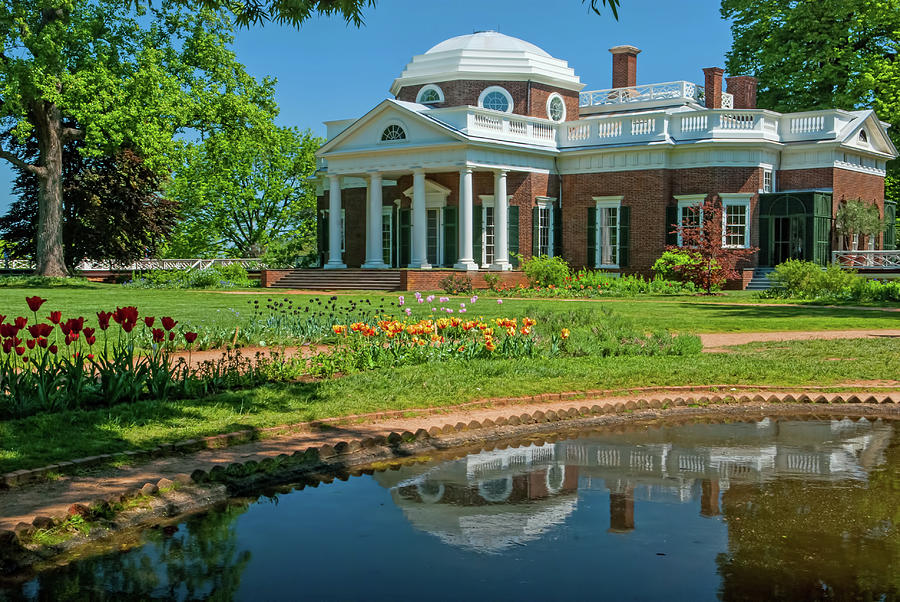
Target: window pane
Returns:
[736, 225]
[497, 101]
[544, 230]
[608, 232]
[556, 108]
[432, 236]
[488, 235]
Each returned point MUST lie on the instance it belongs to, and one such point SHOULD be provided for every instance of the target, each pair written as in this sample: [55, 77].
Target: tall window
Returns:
[735, 221]
[689, 214]
[433, 236]
[607, 236]
[767, 180]
[387, 224]
[545, 229]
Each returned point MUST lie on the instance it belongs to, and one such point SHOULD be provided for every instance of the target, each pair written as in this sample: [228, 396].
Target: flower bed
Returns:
[593, 284]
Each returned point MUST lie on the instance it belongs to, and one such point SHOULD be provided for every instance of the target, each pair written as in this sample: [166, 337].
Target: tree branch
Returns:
[72, 133]
[34, 169]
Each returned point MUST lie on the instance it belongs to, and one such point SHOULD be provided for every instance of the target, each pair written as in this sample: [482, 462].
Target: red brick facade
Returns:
[529, 98]
[846, 185]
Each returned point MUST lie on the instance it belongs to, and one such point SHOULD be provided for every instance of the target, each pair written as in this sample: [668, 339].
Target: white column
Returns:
[419, 252]
[334, 224]
[501, 219]
[466, 262]
[374, 242]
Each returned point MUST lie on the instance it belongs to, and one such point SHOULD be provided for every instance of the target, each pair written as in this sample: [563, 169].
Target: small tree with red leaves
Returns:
[702, 236]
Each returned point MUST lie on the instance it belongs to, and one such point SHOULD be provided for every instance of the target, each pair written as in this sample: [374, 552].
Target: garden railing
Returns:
[882, 260]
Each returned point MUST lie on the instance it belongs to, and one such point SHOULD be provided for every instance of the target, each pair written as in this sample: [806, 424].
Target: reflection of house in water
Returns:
[491, 500]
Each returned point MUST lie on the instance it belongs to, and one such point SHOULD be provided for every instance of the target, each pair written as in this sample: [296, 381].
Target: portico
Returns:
[431, 227]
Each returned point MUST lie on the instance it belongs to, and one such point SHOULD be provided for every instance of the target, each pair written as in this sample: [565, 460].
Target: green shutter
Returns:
[624, 236]
[450, 236]
[890, 226]
[535, 231]
[557, 231]
[476, 233]
[405, 216]
[591, 260]
[512, 233]
[671, 226]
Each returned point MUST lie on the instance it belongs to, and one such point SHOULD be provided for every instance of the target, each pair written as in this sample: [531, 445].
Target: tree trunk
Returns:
[50, 256]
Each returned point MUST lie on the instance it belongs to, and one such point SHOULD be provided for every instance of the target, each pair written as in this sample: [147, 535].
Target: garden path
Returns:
[717, 342]
[52, 498]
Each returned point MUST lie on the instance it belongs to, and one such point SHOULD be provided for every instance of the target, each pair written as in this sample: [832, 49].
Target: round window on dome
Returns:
[556, 108]
[496, 98]
[430, 94]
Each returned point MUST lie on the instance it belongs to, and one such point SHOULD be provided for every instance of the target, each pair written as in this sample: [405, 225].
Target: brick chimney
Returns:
[743, 88]
[624, 66]
[713, 87]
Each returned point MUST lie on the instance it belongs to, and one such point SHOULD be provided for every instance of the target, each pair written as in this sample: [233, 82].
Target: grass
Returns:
[36, 441]
[220, 310]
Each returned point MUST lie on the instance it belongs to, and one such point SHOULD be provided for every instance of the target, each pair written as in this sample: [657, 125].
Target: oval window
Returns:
[496, 101]
[556, 109]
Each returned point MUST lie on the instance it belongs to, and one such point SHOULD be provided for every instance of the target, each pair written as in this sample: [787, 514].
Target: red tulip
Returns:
[21, 322]
[90, 356]
[190, 337]
[30, 343]
[55, 316]
[40, 330]
[149, 320]
[7, 345]
[171, 336]
[91, 340]
[103, 319]
[8, 330]
[75, 324]
[42, 343]
[127, 326]
[34, 303]
[125, 314]
[158, 335]
[69, 339]
[168, 323]
[20, 350]
[88, 332]
[53, 349]
[2, 318]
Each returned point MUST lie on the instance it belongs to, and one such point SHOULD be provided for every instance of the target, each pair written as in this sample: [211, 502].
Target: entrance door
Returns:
[433, 236]
[788, 238]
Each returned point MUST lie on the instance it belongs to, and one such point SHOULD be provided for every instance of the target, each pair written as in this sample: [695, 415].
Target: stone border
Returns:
[23, 477]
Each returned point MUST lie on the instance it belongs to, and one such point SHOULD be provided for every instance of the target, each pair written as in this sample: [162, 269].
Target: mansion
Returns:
[490, 149]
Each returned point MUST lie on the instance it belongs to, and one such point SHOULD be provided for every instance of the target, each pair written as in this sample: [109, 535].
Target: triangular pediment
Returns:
[868, 133]
[392, 125]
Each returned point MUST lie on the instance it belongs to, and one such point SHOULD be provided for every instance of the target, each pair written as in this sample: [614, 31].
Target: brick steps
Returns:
[376, 280]
[760, 281]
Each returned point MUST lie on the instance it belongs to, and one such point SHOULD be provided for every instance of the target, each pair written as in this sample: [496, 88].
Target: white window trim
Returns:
[771, 172]
[742, 200]
[500, 89]
[399, 124]
[440, 232]
[546, 202]
[684, 201]
[563, 101]
[606, 202]
[487, 200]
[425, 89]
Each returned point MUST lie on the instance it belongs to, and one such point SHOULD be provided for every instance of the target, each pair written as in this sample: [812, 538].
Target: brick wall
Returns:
[466, 92]
[429, 280]
[804, 179]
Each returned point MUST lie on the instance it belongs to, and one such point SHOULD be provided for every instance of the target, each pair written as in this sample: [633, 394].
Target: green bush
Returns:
[668, 266]
[807, 280]
[232, 275]
[543, 270]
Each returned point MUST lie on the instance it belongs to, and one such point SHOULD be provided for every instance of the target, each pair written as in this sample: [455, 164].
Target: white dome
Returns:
[487, 55]
[488, 40]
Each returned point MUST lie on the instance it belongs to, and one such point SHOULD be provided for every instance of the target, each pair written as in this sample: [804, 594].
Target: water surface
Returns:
[769, 509]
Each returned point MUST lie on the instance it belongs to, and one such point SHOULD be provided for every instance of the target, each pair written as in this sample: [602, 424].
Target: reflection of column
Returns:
[374, 240]
[419, 253]
[501, 233]
[621, 508]
[334, 224]
[709, 497]
[465, 221]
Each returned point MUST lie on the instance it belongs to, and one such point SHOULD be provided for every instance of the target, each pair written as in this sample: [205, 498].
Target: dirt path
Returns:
[716, 342]
[52, 498]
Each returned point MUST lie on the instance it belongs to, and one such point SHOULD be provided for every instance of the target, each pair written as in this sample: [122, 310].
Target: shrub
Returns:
[455, 284]
[542, 270]
[492, 280]
[807, 280]
[794, 277]
[232, 275]
[670, 266]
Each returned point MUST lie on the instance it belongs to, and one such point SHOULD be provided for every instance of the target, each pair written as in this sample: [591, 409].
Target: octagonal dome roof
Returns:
[487, 55]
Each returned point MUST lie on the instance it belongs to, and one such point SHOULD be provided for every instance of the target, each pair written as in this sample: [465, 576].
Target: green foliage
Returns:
[245, 188]
[807, 280]
[592, 284]
[232, 275]
[542, 270]
[453, 284]
[42, 282]
[857, 217]
[816, 55]
[492, 280]
[671, 264]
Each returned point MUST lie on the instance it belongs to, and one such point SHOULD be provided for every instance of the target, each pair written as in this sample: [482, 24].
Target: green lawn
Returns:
[210, 309]
[36, 441]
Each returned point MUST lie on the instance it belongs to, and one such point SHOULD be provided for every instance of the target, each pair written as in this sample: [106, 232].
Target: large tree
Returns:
[816, 54]
[113, 209]
[112, 78]
[242, 189]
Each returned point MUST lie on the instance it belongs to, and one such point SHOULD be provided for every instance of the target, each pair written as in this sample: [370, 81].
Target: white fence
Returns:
[884, 260]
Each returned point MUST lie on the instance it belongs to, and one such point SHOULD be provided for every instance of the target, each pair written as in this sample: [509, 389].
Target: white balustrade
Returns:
[807, 124]
[518, 128]
[543, 131]
[142, 264]
[578, 132]
[488, 122]
[649, 92]
[885, 260]
[737, 121]
[694, 123]
[609, 129]
[641, 127]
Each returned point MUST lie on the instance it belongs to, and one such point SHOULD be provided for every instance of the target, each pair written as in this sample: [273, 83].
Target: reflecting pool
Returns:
[765, 509]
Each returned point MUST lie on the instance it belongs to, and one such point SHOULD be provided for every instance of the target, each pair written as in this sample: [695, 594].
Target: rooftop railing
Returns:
[647, 93]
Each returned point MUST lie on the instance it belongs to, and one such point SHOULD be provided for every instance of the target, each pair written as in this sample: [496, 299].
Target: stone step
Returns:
[340, 280]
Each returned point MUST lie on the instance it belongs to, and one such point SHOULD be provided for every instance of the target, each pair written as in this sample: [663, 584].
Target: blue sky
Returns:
[329, 70]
